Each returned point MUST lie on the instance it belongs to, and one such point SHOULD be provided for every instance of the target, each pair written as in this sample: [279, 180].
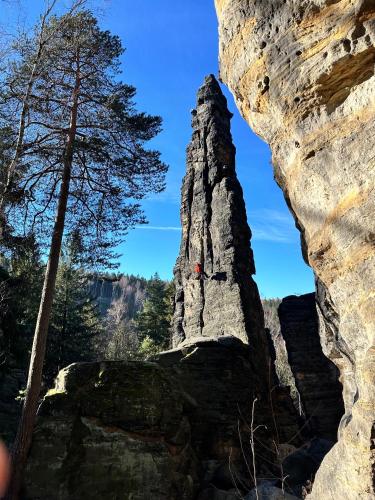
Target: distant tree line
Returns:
[134, 326]
[137, 324]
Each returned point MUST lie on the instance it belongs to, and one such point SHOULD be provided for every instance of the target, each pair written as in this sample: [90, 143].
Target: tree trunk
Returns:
[64, 324]
[26, 426]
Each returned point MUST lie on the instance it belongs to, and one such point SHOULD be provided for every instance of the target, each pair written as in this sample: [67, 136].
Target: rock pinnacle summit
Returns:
[223, 300]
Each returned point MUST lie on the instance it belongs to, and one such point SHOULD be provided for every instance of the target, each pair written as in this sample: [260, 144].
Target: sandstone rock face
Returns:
[112, 430]
[218, 375]
[302, 74]
[315, 375]
[128, 290]
[175, 428]
[215, 234]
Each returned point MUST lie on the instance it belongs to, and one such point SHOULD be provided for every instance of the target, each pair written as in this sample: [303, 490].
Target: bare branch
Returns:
[42, 42]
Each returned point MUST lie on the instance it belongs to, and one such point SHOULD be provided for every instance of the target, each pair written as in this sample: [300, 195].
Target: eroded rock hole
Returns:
[311, 154]
[358, 32]
[265, 84]
[347, 45]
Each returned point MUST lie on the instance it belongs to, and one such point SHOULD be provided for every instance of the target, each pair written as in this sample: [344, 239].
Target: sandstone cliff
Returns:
[129, 290]
[302, 74]
[215, 233]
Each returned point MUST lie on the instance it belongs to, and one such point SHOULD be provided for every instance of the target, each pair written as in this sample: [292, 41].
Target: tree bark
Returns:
[26, 426]
[64, 322]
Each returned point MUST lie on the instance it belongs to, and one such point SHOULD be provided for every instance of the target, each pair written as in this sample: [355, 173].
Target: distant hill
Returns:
[129, 289]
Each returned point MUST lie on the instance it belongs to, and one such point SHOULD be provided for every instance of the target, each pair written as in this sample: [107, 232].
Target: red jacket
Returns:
[198, 268]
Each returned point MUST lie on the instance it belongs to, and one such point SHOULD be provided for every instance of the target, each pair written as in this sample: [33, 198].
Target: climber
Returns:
[200, 274]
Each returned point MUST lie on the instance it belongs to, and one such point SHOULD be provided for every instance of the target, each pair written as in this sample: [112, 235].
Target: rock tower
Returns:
[316, 377]
[215, 234]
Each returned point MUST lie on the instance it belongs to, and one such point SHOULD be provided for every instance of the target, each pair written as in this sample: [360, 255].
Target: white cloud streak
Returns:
[272, 225]
[266, 225]
[160, 228]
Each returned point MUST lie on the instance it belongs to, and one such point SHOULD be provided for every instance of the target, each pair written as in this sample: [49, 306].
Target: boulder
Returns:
[113, 430]
[218, 377]
[166, 429]
[299, 468]
[269, 492]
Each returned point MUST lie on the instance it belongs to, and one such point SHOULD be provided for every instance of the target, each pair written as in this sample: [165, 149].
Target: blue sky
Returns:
[170, 46]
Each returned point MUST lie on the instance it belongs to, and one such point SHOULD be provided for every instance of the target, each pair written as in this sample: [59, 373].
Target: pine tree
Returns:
[83, 160]
[153, 322]
[6, 147]
[25, 281]
[75, 322]
[21, 279]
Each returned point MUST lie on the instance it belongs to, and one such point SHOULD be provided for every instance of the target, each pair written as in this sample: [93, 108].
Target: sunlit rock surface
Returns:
[302, 74]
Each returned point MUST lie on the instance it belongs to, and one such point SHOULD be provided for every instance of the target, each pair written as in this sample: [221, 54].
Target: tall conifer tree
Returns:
[153, 322]
[83, 161]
